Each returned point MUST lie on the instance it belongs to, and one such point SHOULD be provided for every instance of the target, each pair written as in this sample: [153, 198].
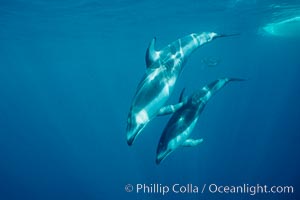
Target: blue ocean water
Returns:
[69, 70]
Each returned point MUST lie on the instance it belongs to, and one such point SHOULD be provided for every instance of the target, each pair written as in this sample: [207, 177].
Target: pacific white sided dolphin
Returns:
[180, 126]
[285, 28]
[163, 69]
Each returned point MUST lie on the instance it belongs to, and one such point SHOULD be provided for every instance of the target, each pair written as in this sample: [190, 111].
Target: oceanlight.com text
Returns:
[250, 189]
[164, 189]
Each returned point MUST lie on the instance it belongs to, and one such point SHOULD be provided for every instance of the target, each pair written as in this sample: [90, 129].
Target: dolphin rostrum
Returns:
[180, 126]
[163, 69]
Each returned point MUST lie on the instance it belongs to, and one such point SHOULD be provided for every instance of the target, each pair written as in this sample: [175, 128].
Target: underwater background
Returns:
[68, 73]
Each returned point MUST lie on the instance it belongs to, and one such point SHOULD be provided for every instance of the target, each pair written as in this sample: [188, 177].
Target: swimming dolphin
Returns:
[181, 124]
[163, 69]
[285, 28]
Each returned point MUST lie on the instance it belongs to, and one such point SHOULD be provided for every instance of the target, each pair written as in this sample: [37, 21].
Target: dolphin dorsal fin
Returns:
[181, 97]
[151, 53]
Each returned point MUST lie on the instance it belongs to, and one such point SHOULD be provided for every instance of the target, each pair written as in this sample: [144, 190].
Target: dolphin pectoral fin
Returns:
[151, 53]
[192, 142]
[166, 110]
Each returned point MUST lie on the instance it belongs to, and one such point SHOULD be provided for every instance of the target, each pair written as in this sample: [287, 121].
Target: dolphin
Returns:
[286, 28]
[163, 69]
[180, 126]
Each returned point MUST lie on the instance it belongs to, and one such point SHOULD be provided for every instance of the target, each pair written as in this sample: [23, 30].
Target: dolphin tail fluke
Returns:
[224, 81]
[228, 35]
[236, 79]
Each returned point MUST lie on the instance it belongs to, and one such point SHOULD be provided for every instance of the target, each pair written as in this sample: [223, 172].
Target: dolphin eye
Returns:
[129, 118]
